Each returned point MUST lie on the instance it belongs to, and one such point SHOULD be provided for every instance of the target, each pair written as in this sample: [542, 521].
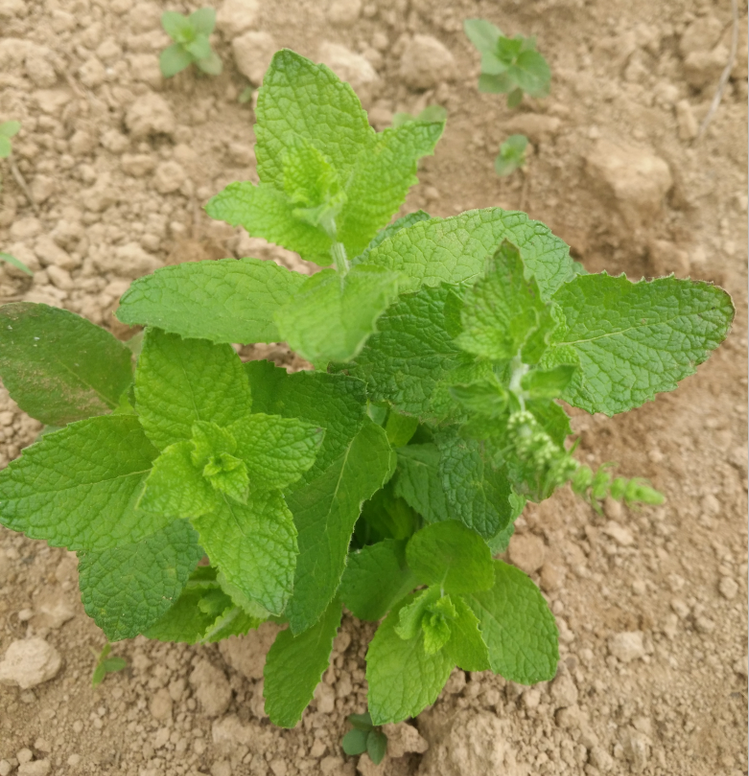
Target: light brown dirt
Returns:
[614, 172]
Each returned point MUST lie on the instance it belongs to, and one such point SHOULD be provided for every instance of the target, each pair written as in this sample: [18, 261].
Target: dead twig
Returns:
[21, 181]
[724, 76]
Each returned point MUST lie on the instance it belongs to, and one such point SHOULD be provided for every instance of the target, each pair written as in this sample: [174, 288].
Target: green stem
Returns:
[340, 260]
[519, 370]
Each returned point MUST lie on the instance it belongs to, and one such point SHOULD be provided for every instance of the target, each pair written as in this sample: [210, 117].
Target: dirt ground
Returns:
[651, 605]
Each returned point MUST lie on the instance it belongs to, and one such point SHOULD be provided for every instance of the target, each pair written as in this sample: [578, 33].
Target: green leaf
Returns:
[174, 59]
[128, 588]
[412, 351]
[198, 48]
[331, 317]
[114, 664]
[419, 482]
[478, 494]
[400, 428]
[254, 546]
[381, 179]
[532, 74]
[305, 658]
[266, 211]
[179, 382]
[451, 556]
[10, 128]
[224, 301]
[543, 384]
[403, 679]
[483, 34]
[361, 721]
[466, 646]
[517, 627]
[6, 147]
[77, 487]
[301, 98]
[511, 155]
[59, 367]
[176, 486]
[377, 746]
[203, 20]
[177, 26]
[514, 98]
[376, 577]
[277, 451]
[634, 340]
[502, 310]
[500, 83]
[212, 64]
[325, 512]
[390, 230]
[355, 742]
[17, 263]
[454, 250]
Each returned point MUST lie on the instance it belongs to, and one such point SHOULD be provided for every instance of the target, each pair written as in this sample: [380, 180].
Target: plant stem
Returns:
[340, 260]
[519, 369]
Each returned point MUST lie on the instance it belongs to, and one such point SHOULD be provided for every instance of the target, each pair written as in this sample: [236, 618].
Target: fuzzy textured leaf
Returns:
[303, 657]
[634, 340]
[517, 627]
[128, 588]
[419, 481]
[59, 367]
[78, 487]
[222, 301]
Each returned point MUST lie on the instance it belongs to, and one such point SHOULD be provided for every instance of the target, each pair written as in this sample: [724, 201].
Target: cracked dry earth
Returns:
[651, 605]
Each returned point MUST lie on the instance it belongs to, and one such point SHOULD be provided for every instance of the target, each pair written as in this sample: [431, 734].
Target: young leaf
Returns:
[390, 230]
[400, 428]
[203, 20]
[179, 382]
[453, 250]
[223, 301]
[128, 588]
[211, 65]
[412, 350]
[330, 318]
[432, 113]
[403, 679]
[14, 262]
[254, 546]
[355, 742]
[77, 487]
[478, 494]
[419, 482]
[325, 512]
[106, 665]
[483, 34]
[174, 59]
[59, 367]
[375, 578]
[634, 340]
[451, 557]
[517, 627]
[511, 155]
[466, 646]
[502, 310]
[377, 746]
[177, 26]
[304, 657]
[10, 128]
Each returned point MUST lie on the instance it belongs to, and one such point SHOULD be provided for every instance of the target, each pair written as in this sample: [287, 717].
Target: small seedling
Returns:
[7, 130]
[430, 113]
[17, 263]
[365, 737]
[511, 155]
[105, 665]
[510, 66]
[191, 44]
[388, 478]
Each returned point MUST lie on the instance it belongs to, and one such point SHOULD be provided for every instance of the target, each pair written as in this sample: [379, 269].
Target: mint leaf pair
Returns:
[454, 622]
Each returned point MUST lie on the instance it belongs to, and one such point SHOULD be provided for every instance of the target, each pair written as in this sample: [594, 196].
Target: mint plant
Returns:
[365, 737]
[204, 495]
[510, 66]
[511, 155]
[191, 45]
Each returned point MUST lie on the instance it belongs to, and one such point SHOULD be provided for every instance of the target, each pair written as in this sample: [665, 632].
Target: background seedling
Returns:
[191, 44]
[105, 665]
[510, 66]
[511, 155]
[365, 737]
[430, 113]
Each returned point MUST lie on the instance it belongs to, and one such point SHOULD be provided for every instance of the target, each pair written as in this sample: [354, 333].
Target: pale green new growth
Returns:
[511, 155]
[191, 44]
[8, 129]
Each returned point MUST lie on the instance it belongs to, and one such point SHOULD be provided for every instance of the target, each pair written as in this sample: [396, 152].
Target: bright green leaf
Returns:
[330, 318]
[466, 645]
[403, 679]
[419, 481]
[634, 340]
[223, 301]
[58, 366]
[390, 230]
[517, 627]
[128, 588]
[451, 556]
[181, 381]
[305, 658]
[77, 487]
